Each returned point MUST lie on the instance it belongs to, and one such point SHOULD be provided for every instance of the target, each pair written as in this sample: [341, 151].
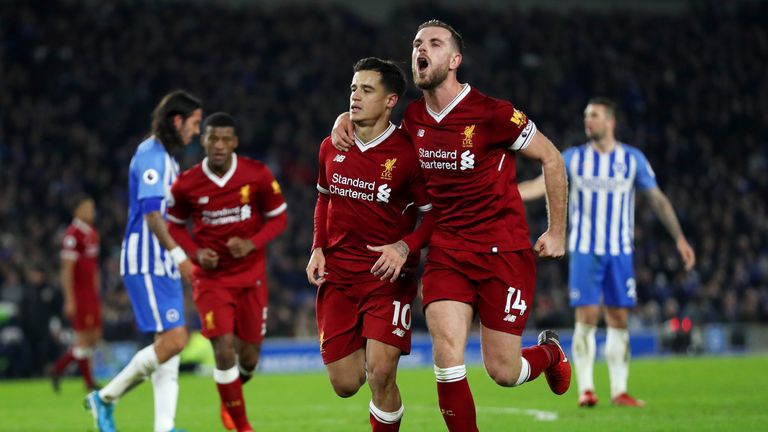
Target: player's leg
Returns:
[341, 340]
[620, 295]
[168, 345]
[585, 280]
[583, 350]
[82, 352]
[386, 406]
[217, 307]
[248, 355]
[505, 301]
[161, 315]
[387, 329]
[449, 322]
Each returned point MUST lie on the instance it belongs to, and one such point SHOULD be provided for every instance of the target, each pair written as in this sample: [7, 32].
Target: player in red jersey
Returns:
[236, 208]
[480, 257]
[369, 196]
[80, 284]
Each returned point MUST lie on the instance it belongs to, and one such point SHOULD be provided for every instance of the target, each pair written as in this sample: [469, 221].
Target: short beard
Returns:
[430, 82]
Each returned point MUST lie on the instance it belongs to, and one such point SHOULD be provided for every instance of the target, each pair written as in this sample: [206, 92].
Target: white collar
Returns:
[448, 108]
[376, 141]
[81, 225]
[220, 181]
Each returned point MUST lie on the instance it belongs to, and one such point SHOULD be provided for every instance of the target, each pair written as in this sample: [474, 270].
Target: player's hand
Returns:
[316, 268]
[551, 246]
[239, 247]
[343, 132]
[391, 261]
[70, 309]
[686, 252]
[185, 268]
[207, 258]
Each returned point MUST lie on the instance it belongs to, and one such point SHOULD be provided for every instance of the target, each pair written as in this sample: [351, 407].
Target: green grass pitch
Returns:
[683, 394]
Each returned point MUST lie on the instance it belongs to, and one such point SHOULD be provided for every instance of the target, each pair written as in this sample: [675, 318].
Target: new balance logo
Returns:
[339, 158]
[398, 332]
[203, 200]
[467, 160]
[510, 318]
[384, 192]
[420, 133]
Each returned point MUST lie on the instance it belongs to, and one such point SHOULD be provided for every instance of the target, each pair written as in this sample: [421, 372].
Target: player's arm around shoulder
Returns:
[551, 244]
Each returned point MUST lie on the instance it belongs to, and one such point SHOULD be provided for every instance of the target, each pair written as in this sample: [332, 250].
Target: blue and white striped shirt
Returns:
[151, 173]
[602, 197]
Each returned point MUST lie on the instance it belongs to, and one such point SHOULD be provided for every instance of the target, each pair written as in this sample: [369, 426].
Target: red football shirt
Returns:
[234, 205]
[81, 244]
[375, 189]
[467, 154]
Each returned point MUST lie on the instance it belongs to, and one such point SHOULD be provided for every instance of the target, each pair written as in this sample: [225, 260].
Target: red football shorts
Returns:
[238, 310]
[87, 312]
[348, 314]
[499, 286]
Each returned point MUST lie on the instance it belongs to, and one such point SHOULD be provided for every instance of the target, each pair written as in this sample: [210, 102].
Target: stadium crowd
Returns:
[78, 80]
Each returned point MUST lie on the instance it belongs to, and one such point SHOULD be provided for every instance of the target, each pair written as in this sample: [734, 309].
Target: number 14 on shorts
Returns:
[514, 303]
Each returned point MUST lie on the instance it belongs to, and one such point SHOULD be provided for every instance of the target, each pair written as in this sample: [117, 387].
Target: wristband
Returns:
[178, 255]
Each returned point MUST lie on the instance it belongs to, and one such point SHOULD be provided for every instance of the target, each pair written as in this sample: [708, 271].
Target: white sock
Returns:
[140, 367]
[80, 353]
[165, 386]
[226, 376]
[583, 350]
[525, 372]
[451, 374]
[617, 355]
[386, 417]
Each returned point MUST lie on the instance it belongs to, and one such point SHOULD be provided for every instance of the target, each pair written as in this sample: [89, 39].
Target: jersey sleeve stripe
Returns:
[525, 137]
[323, 190]
[277, 211]
[176, 220]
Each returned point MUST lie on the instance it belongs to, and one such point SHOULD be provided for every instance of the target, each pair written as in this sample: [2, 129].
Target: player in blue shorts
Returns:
[604, 175]
[151, 264]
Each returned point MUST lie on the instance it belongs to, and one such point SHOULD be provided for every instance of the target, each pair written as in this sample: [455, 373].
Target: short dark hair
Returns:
[392, 77]
[458, 41]
[174, 103]
[609, 104]
[77, 199]
[220, 119]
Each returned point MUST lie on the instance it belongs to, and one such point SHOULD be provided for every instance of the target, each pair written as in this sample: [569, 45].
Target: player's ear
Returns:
[178, 121]
[392, 100]
[237, 142]
[455, 61]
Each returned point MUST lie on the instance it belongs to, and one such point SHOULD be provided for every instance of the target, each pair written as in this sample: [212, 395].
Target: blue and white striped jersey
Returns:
[602, 197]
[151, 173]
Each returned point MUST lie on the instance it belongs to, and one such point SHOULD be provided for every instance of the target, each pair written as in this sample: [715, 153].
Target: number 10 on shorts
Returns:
[518, 303]
[401, 315]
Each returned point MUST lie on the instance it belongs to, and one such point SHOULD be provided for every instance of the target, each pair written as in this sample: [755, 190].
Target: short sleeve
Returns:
[322, 180]
[645, 178]
[70, 246]
[179, 207]
[270, 198]
[511, 127]
[150, 170]
[567, 158]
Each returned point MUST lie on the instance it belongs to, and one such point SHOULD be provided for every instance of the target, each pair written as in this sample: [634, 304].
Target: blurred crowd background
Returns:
[78, 81]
